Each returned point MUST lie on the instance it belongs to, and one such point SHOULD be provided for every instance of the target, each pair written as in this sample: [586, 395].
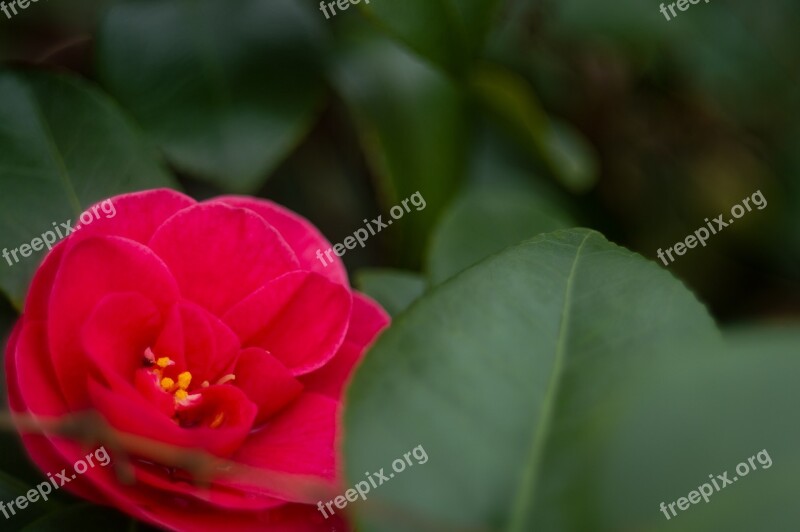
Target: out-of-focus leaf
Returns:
[737, 65]
[637, 27]
[509, 97]
[505, 375]
[395, 290]
[227, 89]
[12, 488]
[414, 125]
[81, 518]
[743, 59]
[451, 34]
[14, 460]
[486, 219]
[65, 145]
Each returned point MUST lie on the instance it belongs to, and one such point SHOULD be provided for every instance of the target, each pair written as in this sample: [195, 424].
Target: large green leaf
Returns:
[226, 88]
[447, 32]
[694, 415]
[506, 375]
[64, 146]
[414, 125]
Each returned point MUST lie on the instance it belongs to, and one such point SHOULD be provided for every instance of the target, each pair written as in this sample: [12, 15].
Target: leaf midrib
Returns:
[527, 490]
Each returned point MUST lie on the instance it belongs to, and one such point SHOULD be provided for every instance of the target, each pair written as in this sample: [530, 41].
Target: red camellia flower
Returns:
[207, 326]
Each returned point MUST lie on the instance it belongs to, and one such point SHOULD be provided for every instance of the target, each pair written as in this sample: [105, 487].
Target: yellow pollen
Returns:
[184, 380]
[163, 362]
[167, 383]
[218, 420]
[180, 395]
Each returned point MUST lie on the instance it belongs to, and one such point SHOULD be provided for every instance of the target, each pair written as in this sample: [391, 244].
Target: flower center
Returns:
[178, 386]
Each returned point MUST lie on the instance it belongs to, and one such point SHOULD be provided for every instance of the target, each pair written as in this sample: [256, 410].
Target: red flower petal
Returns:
[367, 321]
[91, 270]
[300, 441]
[211, 347]
[300, 318]
[117, 333]
[37, 388]
[138, 417]
[299, 233]
[220, 254]
[265, 381]
[137, 215]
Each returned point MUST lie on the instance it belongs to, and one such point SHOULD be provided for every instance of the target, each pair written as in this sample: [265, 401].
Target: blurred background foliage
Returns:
[555, 113]
[511, 118]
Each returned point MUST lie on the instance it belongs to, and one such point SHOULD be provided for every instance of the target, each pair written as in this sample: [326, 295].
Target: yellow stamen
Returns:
[218, 420]
[227, 378]
[163, 362]
[167, 383]
[184, 380]
[180, 395]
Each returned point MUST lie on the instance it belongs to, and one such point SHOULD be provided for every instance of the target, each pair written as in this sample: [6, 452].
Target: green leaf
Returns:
[81, 518]
[14, 460]
[414, 125]
[227, 89]
[699, 413]
[639, 27]
[395, 290]
[12, 488]
[449, 33]
[486, 219]
[504, 375]
[65, 145]
[563, 150]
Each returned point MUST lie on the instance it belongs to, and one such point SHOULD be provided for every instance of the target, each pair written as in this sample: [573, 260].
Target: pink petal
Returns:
[137, 217]
[117, 333]
[91, 270]
[265, 381]
[210, 346]
[300, 441]
[220, 254]
[299, 233]
[37, 304]
[300, 318]
[15, 401]
[367, 321]
[214, 496]
[38, 389]
[171, 340]
[138, 417]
